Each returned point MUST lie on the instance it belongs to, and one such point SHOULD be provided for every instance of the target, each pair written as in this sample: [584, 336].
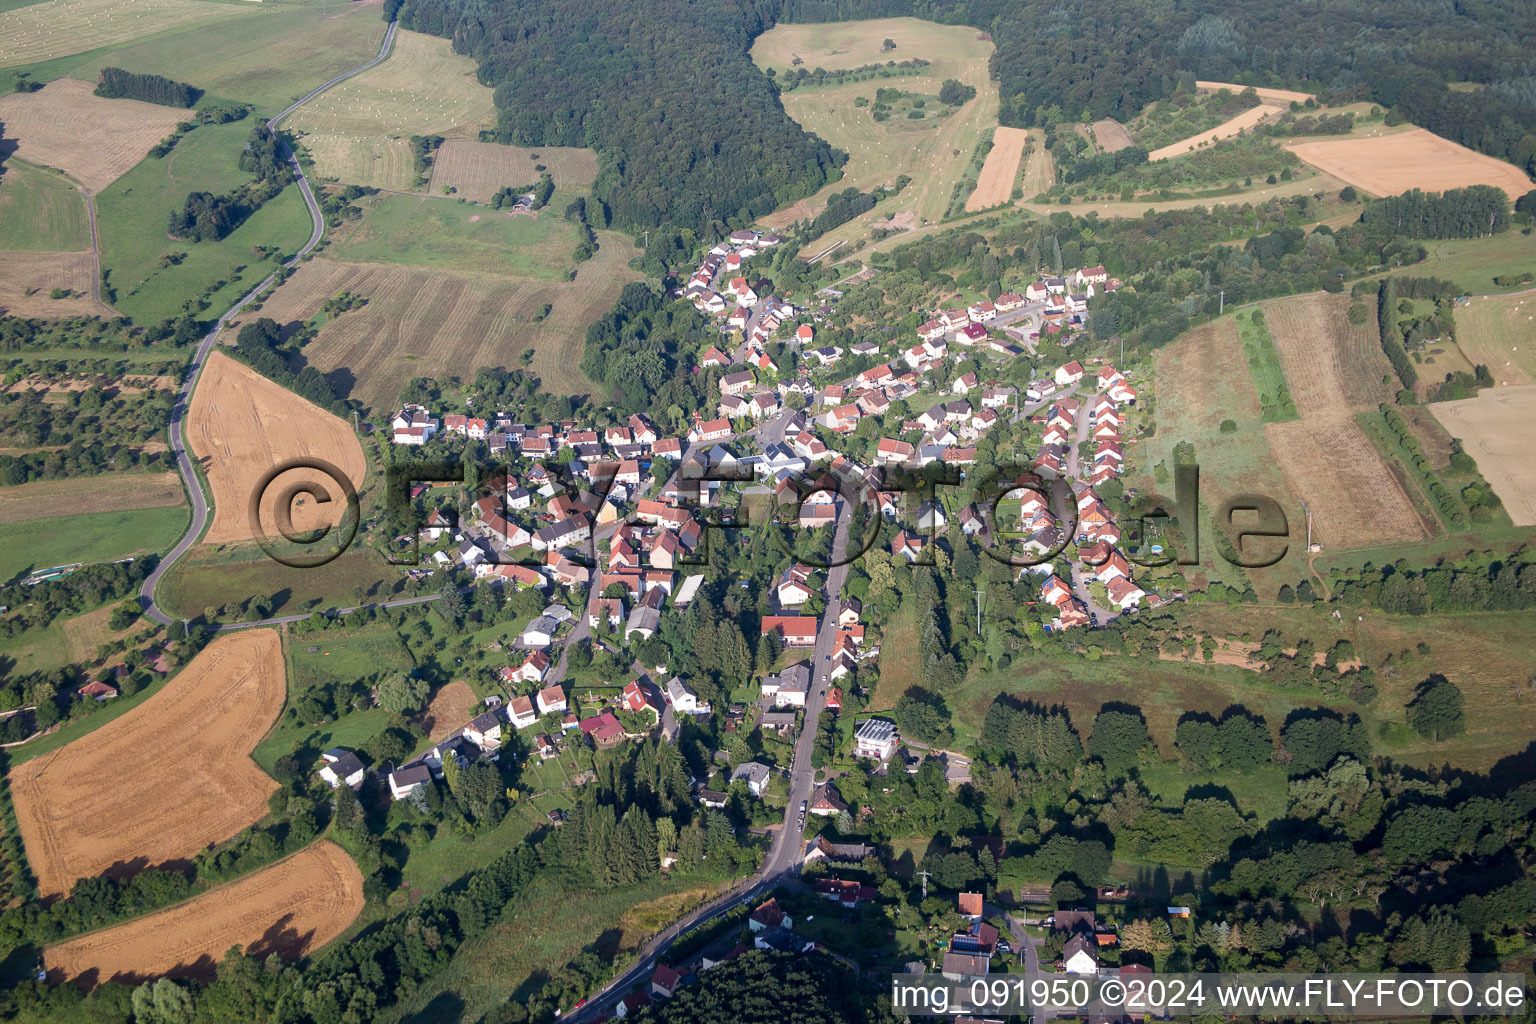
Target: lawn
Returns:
[92, 537]
[132, 215]
[40, 211]
[445, 235]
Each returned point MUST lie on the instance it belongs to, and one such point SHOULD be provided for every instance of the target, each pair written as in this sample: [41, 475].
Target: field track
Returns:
[1385, 165]
[93, 140]
[289, 908]
[1495, 427]
[995, 185]
[163, 780]
[241, 425]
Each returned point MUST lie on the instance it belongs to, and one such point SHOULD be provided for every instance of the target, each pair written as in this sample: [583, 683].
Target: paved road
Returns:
[200, 504]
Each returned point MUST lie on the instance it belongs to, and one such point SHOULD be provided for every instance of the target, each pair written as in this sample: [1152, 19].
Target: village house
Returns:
[341, 768]
[875, 738]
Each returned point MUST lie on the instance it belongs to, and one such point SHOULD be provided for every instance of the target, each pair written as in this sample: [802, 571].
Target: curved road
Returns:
[200, 504]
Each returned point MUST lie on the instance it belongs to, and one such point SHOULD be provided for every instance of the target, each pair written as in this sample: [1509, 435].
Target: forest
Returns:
[119, 84]
[91, 431]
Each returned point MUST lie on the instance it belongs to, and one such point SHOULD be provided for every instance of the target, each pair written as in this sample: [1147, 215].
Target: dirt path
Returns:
[90, 216]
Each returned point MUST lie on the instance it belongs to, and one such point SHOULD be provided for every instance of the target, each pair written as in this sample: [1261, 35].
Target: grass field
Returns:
[90, 537]
[423, 88]
[1391, 163]
[289, 908]
[439, 234]
[93, 140]
[1494, 426]
[61, 27]
[40, 211]
[209, 578]
[166, 809]
[263, 54]
[1039, 170]
[44, 499]
[132, 216]
[933, 152]
[1473, 263]
[477, 170]
[1500, 333]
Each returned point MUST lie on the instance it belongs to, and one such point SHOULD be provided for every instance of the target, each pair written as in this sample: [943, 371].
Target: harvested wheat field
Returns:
[421, 323]
[1039, 165]
[291, 908]
[58, 28]
[995, 184]
[240, 425]
[478, 170]
[1499, 331]
[1334, 370]
[93, 140]
[1496, 428]
[1226, 130]
[162, 781]
[371, 160]
[27, 281]
[1278, 97]
[1385, 165]
[450, 708]
[1111, 135]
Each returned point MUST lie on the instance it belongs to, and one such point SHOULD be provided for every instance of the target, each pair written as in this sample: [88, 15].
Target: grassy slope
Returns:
[132, 215]
[40, 211]
[93, 537]
[203, 581]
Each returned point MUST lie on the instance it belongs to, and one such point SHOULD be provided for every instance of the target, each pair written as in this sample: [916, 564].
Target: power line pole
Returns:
[978, 610]
[925, 883]
[1223, 309]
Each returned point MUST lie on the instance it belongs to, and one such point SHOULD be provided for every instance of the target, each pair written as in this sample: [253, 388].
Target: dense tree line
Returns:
[767, 988]
[115, 83]
[88, 587]
[1475, 585]
[1473, 212]
[265, 156]
[796, 78]
[261, 346]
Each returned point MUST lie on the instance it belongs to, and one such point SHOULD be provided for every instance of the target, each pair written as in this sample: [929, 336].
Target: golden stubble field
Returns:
[478, 170]
[162, 781]
[934, 153]
[1278, 97]
[290, 908]
[1227, 129]
[1111, 135]
[27, 281]
[93, 140]
[995, 185]
[1334, 369]
[1496, 429]
[1387, 164]
[240, 425]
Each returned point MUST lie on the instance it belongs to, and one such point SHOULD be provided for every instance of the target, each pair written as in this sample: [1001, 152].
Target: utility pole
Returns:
[1223, 308]
[979, 592]
[925, 883]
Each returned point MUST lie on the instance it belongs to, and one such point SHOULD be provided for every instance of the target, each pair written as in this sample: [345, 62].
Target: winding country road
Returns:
[200, 503]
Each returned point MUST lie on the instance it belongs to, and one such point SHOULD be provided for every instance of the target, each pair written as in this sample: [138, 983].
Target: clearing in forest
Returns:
[1495, 429]
[1334, 370]
[240, 425]
[290, 908]
[163, 780]
[93, 140]
[995, 185]
[1385, 165]
[478, 170]
[1111, 135]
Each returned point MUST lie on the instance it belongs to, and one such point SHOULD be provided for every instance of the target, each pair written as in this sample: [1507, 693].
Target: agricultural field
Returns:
[1110, 135]
[93, 140]
[1495, 428]
[40, 211]
[27, 286]
[88, 537]
[1001, 169]
[1301, 185]
[1417, 159]
[240, 425]
[450, 708]
[439, 234]
[1278, 97]
[1334, 370]
[1203, 379]
[1039, 166]
[1500, 333]
[166, 808]
[45, 499]
[478, 170]
[152, 277]
[223, 584]
[353, 130]
[1235, 126]
[41, 31]
[265, 54]
[290, 908]
[421, 322]
[933, 152]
